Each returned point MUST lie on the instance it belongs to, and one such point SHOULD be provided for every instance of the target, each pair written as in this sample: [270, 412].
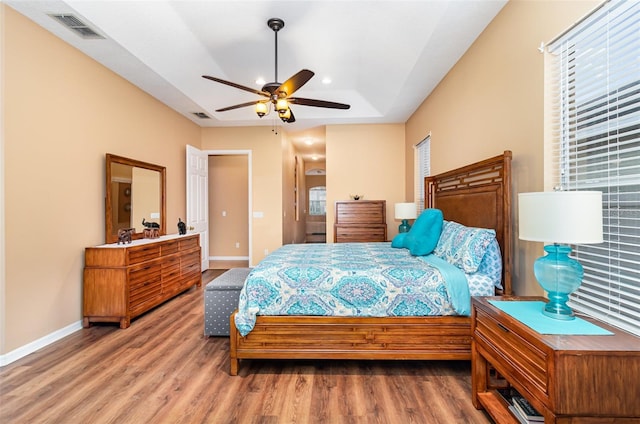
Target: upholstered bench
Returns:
[221, 299]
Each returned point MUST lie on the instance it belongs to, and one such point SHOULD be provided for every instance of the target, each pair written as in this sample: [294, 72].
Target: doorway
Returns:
[198, 194]
[228, 210]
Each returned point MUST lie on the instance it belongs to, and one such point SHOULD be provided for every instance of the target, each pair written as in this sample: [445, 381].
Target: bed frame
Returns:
[477, 195]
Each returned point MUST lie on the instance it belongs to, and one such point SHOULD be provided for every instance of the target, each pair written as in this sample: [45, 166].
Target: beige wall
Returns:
[266, 179]
[367, 160]
[492, 101]
[62, 113]
[228, 193]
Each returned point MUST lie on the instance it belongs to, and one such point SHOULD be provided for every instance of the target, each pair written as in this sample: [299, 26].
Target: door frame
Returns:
[247, 153]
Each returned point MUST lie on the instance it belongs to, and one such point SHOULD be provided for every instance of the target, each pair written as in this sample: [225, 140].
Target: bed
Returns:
[476, 195]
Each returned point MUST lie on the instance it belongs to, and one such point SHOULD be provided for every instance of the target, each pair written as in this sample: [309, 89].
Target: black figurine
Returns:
[124, 235]
[150, 224]
[182, 227]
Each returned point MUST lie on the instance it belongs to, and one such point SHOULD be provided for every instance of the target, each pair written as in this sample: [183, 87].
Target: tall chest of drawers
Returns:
[124, 281]
[360, 221]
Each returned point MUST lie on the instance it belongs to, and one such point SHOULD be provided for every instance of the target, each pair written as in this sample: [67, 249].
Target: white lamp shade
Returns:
[406, 211]
[566, 217]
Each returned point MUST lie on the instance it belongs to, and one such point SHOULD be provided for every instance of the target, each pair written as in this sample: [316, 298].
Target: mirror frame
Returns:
[110, 159]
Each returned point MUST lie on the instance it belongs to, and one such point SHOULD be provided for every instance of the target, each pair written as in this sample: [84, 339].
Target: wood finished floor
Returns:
[163, 370]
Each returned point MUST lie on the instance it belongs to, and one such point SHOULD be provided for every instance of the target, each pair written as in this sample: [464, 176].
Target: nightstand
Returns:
[569, 379]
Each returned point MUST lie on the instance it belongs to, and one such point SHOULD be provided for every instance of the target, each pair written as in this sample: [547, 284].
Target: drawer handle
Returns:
[503, 328]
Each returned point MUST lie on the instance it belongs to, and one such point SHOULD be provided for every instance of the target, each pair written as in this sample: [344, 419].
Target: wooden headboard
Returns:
[478, 195]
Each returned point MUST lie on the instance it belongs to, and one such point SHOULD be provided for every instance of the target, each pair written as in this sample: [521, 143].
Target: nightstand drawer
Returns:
[513, 352]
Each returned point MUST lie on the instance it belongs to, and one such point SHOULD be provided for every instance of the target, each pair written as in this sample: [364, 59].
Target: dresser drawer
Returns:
[190, 264]
[144, 274]
[169, 248]
[354, 233]
[143, 295]
[361, 211]
[170, 268]
[143, 253]
[513, 352]
[189, 243]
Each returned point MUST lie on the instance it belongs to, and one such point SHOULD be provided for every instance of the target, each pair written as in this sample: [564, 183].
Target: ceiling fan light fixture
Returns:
[261, 109]
[285, 116]
[277, 93]
[282, 105]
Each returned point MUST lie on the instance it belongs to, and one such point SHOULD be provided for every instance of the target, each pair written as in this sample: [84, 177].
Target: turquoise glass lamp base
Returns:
[560, 276]
[404, 227]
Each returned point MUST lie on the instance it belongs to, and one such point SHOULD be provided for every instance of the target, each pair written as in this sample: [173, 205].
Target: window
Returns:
[422, 169]
[593, 78]
[318, 201]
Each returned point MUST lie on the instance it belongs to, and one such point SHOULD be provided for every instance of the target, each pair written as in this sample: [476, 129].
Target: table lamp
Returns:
[561, 218]
[405, 211]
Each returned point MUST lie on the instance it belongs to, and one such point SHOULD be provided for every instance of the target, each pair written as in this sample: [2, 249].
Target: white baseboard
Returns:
[228, 258]
[25, 350]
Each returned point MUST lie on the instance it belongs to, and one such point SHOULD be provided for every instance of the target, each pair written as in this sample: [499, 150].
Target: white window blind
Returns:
[423, 169]
[593, 77]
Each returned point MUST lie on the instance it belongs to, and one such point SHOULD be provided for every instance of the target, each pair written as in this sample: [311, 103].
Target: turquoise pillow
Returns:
[423, 237]
[399, 240]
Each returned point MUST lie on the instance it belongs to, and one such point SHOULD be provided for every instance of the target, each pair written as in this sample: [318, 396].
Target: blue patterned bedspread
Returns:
[348, 279]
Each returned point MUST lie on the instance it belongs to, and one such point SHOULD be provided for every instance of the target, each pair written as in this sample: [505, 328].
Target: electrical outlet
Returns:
[237, 245]
[266, 252]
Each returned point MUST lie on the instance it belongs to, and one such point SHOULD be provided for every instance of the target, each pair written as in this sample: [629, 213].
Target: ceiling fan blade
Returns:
[317, 103]
[224, 109]
[295, 82]
[233, 84]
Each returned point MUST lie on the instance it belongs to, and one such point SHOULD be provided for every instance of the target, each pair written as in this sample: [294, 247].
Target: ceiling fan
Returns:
[278, 94]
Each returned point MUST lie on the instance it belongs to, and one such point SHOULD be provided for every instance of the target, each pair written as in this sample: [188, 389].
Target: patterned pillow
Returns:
[463, 246]
[491, 264]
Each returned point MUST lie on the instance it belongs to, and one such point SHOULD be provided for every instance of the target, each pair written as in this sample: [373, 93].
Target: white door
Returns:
[198, 199]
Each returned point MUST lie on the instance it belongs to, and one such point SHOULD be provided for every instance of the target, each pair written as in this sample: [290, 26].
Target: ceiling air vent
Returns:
[201, 115]
[76, 25]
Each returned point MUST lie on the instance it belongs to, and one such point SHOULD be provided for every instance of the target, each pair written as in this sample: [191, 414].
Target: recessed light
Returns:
[326, 80]
[314, 157]
[308, 142]
[260, 81]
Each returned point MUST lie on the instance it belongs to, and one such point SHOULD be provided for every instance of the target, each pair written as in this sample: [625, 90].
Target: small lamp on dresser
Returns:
[561, 218]
[405, 211]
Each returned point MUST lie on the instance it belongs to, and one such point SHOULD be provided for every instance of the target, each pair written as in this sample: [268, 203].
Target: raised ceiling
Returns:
[382, 57]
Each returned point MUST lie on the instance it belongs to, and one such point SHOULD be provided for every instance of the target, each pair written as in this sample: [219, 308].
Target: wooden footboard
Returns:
[310, 337]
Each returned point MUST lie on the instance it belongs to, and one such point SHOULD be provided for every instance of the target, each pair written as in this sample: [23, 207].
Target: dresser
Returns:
[567, 378]
[122, 281]
[360, 221]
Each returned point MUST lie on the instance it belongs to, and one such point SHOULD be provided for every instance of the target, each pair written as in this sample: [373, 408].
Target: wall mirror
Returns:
[135, 191]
